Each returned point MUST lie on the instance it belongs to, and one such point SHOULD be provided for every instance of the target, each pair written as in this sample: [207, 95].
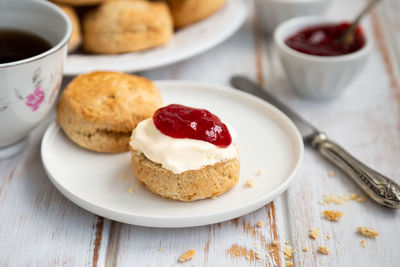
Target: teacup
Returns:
[29, 87]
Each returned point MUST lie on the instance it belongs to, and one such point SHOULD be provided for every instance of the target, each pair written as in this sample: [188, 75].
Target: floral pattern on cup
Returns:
[35, 99]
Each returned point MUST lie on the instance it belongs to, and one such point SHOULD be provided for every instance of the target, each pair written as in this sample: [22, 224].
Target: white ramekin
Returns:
[274, 12]
[319, 77]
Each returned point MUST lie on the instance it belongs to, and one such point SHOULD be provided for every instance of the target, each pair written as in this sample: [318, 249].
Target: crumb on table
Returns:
[314, 233]
[361, 199]
[260, 224]
[250, 183]
[122, 175]
[329, 236]
[275, 243]
[257, 256]
[340, 199]
[305, 249]
[363, 243]
[288, 252]
[130, 190]
[367, 232]
[289, 264]
[333, 215]
[323, 250]
[187, 255]
[259, 172]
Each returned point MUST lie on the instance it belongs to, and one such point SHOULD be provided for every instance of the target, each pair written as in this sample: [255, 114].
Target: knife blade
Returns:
[306, 130]
[380, 188]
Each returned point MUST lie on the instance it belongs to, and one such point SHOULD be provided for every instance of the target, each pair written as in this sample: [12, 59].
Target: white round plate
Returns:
[100, 183]
[187, 42]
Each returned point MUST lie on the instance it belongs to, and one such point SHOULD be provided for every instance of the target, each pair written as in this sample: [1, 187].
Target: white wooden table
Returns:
[40, 227]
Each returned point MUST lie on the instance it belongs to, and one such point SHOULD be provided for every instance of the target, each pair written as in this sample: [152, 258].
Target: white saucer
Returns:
[186, 42]
[99, 183]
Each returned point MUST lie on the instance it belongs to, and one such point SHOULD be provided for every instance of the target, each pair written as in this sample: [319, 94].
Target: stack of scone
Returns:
[178, 152]
[120, 26]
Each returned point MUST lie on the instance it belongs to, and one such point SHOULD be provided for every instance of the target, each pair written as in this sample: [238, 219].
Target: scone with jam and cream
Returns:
[185, 153]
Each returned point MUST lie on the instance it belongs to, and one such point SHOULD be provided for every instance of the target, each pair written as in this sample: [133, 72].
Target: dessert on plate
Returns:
[185, 154]
[99, 110]
[186, 12]
[126, 26]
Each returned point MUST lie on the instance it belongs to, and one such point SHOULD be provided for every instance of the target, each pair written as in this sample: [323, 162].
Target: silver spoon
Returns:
[348, 36]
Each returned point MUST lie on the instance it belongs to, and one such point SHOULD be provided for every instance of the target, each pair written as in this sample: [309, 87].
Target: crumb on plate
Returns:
[250, 183]
[331, 174]
[289, 264]
[363, 243]
[130, 190]
[305, 249]
[259, 172]
[260, 224]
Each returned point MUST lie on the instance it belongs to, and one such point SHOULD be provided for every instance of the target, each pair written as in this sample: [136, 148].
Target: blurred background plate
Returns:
[187, 42]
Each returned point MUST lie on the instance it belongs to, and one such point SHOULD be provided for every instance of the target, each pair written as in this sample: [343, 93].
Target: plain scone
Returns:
[210, 181]
[76, 36]
[127, 26]
[80, 2]
[99, 110]
[186, 12]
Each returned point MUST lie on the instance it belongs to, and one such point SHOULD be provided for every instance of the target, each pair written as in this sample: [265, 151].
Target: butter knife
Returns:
[380, 188]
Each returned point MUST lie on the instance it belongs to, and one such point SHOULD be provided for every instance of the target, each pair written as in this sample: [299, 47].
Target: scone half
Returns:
[210, 181]
[99, 110]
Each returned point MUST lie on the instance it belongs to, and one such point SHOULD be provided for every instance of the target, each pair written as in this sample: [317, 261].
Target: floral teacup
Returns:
[29, 87]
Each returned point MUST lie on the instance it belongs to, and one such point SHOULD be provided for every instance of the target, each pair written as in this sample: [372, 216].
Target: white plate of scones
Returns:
[170, 171]
[131, 36]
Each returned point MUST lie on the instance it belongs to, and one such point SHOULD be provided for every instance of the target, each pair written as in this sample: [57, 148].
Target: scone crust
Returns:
[76, 36]
[186, 12]
[99, 110]
[127, 26]
[79, 2]
[191, 185]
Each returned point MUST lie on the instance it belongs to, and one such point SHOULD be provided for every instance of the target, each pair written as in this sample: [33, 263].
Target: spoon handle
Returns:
[348, 35]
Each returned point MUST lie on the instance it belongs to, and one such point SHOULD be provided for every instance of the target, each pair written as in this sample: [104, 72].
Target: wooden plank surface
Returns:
[39, 227]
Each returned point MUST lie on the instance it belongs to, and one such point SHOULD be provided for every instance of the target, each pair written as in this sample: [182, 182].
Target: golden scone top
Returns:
[127, 26]
[113, 101]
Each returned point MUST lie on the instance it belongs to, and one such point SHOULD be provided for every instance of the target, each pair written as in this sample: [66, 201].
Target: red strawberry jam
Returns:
[322, 40]
[179, 121]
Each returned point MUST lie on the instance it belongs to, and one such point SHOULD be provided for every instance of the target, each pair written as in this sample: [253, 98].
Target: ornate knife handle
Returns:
[378, 187]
